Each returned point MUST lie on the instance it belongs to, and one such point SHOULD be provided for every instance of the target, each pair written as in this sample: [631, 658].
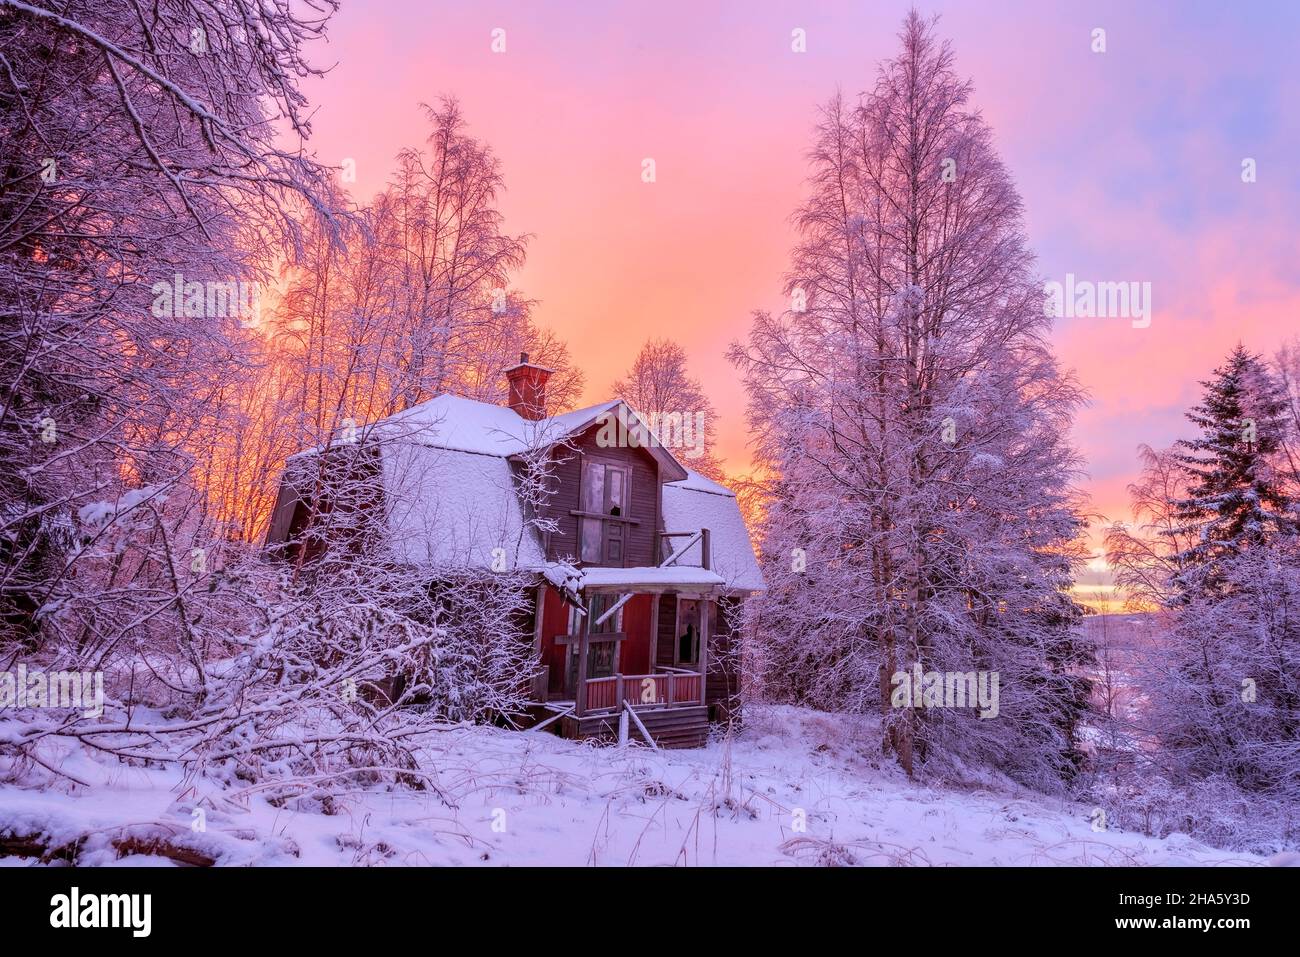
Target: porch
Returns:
[629, 641]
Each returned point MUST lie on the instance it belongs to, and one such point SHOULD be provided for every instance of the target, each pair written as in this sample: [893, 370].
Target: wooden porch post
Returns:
[584, 632]
[654, 635]
[703, 632]
[541, 682]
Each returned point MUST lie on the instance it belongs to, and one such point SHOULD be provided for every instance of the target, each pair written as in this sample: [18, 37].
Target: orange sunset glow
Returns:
[1129, 165]
[742, 433]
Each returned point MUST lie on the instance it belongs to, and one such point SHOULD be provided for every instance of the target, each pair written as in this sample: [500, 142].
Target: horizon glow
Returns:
[1128, 162]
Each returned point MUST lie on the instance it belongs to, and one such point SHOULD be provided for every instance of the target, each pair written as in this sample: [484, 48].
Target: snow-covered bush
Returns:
[1213, 810]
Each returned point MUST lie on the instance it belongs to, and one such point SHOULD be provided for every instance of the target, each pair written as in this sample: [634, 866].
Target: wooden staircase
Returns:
[677, 727]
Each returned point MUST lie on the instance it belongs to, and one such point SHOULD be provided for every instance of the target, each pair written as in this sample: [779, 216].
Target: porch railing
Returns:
[645, 691]
[703, 536]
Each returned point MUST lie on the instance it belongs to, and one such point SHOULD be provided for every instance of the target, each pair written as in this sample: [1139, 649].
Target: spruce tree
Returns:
[1238, 491]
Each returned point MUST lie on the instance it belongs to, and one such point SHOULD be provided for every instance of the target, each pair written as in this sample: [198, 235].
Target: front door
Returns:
[600, 662]
[602, 645]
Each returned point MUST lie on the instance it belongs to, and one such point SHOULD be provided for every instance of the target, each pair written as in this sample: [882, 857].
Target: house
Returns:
[637, 565]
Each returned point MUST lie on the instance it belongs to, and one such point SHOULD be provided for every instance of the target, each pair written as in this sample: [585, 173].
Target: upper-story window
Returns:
[603, 502]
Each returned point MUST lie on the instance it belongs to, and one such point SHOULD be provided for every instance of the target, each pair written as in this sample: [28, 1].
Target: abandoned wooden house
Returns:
[638, 565]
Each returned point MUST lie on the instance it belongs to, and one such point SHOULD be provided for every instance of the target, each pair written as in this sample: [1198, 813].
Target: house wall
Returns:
[555, 621]
[643, 503]
[635, 654]
[352, 523]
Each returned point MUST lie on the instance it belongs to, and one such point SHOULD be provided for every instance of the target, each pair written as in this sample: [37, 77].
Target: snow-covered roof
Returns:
[453, 422]
[698, 502]
[447, 506]
[665, 576]
[450, 495]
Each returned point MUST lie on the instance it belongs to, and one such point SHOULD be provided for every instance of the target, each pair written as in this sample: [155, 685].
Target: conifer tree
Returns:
[1238, 490]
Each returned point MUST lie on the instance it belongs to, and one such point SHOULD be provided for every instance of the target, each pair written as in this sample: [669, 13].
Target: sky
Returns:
[1130, 164]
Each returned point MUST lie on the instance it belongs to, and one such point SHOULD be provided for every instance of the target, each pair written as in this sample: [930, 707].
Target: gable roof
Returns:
[450, 496]
[467, 425]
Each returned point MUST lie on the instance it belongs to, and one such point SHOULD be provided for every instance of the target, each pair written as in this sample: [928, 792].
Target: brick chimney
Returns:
[528, 388]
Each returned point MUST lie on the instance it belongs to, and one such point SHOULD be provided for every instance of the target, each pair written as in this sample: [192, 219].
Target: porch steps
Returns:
[675, 727]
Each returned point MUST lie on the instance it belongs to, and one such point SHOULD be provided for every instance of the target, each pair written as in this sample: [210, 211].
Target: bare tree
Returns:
[148, 163]
[1146, 555]
[674, 405]
[911, 430]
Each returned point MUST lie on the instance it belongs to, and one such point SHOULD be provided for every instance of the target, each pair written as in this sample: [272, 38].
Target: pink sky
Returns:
[1129, 164]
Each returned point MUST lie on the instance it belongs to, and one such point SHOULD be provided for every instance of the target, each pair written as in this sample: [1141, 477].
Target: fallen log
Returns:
[38, 846]
[161, 847]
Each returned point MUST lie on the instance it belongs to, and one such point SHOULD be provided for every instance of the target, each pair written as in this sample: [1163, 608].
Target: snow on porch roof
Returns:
[697, 503]
[671, 576]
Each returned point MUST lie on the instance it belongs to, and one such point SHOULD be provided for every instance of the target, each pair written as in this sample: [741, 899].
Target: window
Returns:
[688, 634]
[604, 492]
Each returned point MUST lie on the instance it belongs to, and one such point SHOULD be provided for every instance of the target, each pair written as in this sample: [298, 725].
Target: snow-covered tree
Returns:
[1225, 684]
[143, 153]
[1237, 482]
[1287, 365]
[1146, 556]
[661, 389]
[1216, 544]
[911, 432]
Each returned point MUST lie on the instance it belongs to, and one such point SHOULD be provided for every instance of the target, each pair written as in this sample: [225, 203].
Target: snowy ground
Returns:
[533, 799]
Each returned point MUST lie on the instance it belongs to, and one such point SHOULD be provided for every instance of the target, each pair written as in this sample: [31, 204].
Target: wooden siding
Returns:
[566, 490]
[352, 526]
[667, 630]
[634, 651]
[555, 621]
[670, 727]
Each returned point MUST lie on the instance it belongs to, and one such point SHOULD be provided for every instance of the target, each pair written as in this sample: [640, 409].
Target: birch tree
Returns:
[911, 424]
[674, 404]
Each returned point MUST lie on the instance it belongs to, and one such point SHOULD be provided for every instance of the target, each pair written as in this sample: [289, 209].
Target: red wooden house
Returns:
[639, 563]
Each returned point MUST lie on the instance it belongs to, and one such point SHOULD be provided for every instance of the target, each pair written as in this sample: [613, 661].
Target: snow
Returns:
[454, 507]
[699, 483]
[517, 798]
[670, 575]
[698, 502]
[466, 425]
[97, 514]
